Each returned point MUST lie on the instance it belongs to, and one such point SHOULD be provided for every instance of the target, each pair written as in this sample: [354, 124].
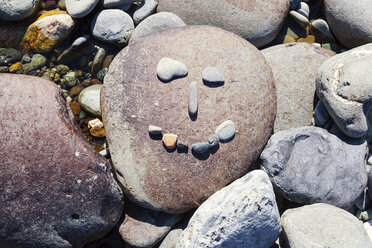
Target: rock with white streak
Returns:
[243, 214]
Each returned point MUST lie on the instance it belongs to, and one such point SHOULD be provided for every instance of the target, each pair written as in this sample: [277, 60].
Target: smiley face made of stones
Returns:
[169, 69]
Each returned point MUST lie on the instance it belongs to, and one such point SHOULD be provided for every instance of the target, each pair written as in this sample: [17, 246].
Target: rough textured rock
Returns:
[353, 16]
[143, 227]
[343, 84]
[80, 8]
[264, 17]
[294, 67]
[131, 101]
[156, 23]
[113, 26]
[13, 10]
[243, 214]
[48, 31]
[55, 190]
[323, 225]
[309, 165]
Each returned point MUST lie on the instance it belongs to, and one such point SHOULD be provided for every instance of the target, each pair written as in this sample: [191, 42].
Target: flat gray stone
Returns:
[265, 18]
[89, 99]
[154, 130]
[145, 9]
[56, 191]
[353, 16]
[309, 165]
[145, 228]
[320, 27]
[211, 75]
[80, 8]
[226, 131]
[131, 101]
[168, 69]
[193, 98]
[117, 3]
[243, 214]
[113, 26]
[156, 23]
[294, 67]
[323, 225]
[201, 147]
[343, 84]
[9, 56]
[14, 10]
[304, 9]
[321, 115]
[213, 140]
[299, 18]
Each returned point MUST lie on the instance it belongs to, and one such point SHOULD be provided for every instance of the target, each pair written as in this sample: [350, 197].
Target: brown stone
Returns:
[170, 140]
[295, 67]
[132, 98]
[143, 227]
[75, 107]
[55, 190]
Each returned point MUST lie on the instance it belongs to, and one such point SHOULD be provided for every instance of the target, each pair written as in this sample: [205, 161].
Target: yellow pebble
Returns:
[170, 140]
[288, 39]
[15, 67]
[98, 133]
[308, 39]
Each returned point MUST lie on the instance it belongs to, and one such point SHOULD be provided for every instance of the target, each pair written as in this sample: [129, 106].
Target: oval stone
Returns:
[257, 21]
[131, 101]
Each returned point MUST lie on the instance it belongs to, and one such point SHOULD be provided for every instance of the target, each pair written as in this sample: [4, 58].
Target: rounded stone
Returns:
[9, 56]
[200, 147]
[265, 18]
[294, 67]
[145, 9]
[156, 23]
[14, 10]
[212, 75]
[89, 100]
[169, 69]
[353, 16]
[113, 26]
[80, 8]
[116, 3]
[343, 84]
[323, 225]
[309, 165]
[226, 130]
[131, 101]
[56, 191]
[213, 140]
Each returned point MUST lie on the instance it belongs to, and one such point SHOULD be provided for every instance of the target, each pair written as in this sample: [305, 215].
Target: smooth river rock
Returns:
[257, 21]
[309, 165]
[80, 8]
[343, 84]
[131, 101]
[294, 67]
[243, 214]
[322, 225]
[55, 190]
[353, 16]
[14, 10]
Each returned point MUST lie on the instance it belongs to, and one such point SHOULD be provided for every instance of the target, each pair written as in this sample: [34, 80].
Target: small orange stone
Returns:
[98, 133]
[75, 107]
[15, 67]
[170, 140]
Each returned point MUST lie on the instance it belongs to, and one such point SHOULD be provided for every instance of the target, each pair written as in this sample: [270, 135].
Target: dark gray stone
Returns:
[55, 190]
[145, 9]
[9, 56]
[243, 214]
[309, 165]
[213, 140]
[98, 60]
[201, 147]
[321, 115]
[300, 19]
[322, 225]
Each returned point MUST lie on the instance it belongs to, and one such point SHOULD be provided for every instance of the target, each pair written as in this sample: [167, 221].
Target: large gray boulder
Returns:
[14, 10]
[322, 225]
[257, 21]
[293, 66]
[309, 165]
[344, 86]
[243, 214]
[353, 16]
[55, 190]
[133, 98]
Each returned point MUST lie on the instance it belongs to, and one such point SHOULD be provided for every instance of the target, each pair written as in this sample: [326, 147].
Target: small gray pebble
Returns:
[145, 9]
[301, 20]
[213, 75]
[182, 145]
[193, 98]
[26, 58]
[153, 130]
[304, 9]
[321, 115]
[226, 130]
[200, 147]
[214, 140]
[168, 69]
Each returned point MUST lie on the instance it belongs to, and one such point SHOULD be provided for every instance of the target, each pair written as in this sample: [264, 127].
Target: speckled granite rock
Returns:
[55, 190]
[131, 101]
